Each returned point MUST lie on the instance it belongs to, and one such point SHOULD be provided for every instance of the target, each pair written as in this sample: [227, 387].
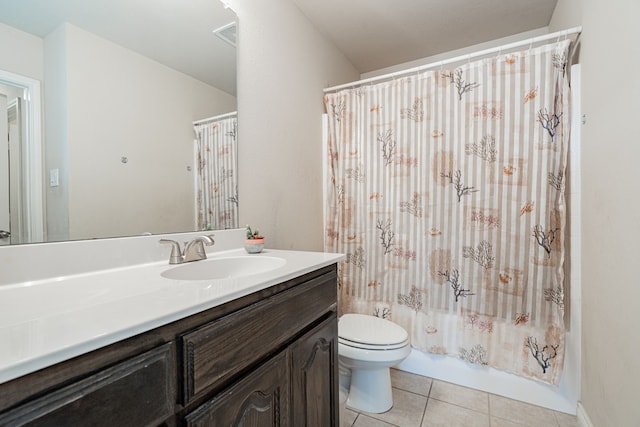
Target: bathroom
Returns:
[280, 73]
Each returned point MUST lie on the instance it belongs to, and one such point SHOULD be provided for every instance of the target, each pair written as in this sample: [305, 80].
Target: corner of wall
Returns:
[583, 418]
[283, 69]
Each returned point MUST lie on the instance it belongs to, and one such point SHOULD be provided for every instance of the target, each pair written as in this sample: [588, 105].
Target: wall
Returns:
[610, 207]
[121, 104]
[57, 135]
[29, 62]
[284, 64]
[458, 52]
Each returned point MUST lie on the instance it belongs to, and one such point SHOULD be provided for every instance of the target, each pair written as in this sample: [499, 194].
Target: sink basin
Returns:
[224, 268]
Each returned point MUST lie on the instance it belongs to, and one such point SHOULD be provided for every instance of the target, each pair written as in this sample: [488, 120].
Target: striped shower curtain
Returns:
[217, 178]
[446, 192]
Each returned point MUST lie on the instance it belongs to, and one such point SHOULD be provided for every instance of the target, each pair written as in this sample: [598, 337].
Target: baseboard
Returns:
[583, 418]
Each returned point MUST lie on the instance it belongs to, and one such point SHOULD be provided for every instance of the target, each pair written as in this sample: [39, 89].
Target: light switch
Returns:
[54, 179]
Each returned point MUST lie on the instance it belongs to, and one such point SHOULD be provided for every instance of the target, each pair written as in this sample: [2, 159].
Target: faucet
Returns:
[193, 250]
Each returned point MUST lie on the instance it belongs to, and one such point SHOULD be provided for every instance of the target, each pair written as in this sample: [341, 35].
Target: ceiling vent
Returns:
[228, 33]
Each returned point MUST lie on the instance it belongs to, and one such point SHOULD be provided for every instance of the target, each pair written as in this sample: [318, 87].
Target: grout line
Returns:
[426, 405]
[489, 406]
[410, 392]
[460, 406]
[424, 411]
[515, 423]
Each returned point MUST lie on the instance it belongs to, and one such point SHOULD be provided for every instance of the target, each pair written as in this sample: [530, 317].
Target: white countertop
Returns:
[48, 321]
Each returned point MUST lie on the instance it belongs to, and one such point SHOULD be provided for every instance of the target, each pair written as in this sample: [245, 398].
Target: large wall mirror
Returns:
[99, 100]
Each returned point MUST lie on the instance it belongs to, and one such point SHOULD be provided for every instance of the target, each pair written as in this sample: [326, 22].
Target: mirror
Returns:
[107, 95]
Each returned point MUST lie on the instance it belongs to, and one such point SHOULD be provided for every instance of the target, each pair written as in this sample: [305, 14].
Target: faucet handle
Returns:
[176, 253]
[194, 250]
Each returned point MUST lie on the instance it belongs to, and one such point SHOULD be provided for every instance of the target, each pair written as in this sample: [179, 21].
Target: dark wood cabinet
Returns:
[221, 349]
[137, 392]
[314, 377]
[265, 359]
[297, 387]
[260, 399]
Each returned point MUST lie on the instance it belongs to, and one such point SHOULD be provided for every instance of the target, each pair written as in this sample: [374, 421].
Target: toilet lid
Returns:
[364, 329]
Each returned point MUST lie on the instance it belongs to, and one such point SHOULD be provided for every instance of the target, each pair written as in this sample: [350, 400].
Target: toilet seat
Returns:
[374, 347]
[370, 333]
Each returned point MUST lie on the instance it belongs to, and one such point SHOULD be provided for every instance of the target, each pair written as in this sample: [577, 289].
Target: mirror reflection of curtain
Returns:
[217, 178]
[446, 192]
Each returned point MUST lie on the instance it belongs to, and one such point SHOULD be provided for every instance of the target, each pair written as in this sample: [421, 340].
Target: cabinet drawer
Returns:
[137, 392]
[216, 352]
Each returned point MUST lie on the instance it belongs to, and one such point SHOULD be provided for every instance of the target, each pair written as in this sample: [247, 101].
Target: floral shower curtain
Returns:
[446, 193]
[217, 185]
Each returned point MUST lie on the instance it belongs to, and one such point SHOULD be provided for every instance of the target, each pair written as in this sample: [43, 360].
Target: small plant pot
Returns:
[254, 246]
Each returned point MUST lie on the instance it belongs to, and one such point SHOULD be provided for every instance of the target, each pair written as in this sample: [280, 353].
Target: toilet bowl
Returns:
[368, 346]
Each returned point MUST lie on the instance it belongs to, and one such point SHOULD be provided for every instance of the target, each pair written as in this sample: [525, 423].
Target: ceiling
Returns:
[178, 34]
[376, 34]
[373, 34]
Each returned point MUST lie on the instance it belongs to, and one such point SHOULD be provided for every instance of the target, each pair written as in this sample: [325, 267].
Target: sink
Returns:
[224, 268]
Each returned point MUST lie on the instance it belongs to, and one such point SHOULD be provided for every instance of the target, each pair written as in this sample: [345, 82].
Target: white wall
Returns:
[56, 134]
[121, 104]
[29, 62]
[458, 52]
[610, 58]
[284, 64]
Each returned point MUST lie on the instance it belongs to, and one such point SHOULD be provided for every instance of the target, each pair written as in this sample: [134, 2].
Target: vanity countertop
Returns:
[48, 321]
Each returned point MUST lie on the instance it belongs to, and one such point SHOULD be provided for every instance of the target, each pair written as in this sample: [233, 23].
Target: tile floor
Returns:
[423, 402]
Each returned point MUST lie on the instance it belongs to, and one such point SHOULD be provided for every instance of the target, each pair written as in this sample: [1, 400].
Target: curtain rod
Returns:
[530, 41]
[218, 117]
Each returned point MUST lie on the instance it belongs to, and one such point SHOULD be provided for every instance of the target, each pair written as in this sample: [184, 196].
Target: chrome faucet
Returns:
[193, 250]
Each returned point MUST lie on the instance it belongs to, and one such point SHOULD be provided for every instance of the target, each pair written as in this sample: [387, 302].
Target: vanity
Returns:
[255, 350]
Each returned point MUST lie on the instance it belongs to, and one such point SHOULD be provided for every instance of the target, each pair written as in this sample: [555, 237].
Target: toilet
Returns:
[367, 347]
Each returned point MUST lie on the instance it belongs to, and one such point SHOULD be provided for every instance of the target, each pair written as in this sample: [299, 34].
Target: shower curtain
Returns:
[216, 181]
[446, 192]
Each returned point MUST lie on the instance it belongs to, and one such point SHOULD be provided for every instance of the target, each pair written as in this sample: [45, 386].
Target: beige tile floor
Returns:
[423, 402]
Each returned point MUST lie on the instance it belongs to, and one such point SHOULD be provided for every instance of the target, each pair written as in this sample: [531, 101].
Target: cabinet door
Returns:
[137, 392]
[261, 399]
[314, 376]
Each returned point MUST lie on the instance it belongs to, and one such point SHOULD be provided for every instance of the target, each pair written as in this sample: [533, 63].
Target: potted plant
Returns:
[254, 243]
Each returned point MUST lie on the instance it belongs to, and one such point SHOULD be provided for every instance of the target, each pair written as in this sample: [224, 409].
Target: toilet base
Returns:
[370, 390]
